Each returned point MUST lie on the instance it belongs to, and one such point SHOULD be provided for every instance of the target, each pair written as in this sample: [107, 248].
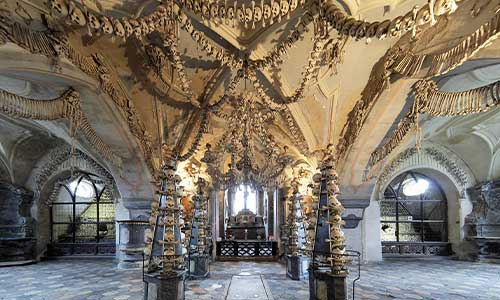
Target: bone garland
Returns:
[255, 12]
[197, 138]
[163, 248]
[399, 134]
[67, 106]
[171, 44]
[358, 29]
[276, 55]
[204, 43]
[436, 103]
[297, 136]
[433, 102]
[229, 92]
[80, 15]
[95, 66]
[468, 47]
[310, 72]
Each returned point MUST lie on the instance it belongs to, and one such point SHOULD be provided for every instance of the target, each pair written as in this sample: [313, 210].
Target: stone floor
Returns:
[392, 279]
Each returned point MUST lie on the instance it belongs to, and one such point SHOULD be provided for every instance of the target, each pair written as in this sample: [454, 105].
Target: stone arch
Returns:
[495, 166]
[431, 156]
[449, 171]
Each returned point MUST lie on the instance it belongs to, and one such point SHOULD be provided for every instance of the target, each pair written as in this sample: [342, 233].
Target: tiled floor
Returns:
[395, 279]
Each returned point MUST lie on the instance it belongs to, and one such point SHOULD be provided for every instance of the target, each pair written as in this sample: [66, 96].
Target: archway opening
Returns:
[82, 217]
[414, 219]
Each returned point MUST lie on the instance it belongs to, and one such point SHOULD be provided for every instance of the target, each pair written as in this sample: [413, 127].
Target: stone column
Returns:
[17, 241]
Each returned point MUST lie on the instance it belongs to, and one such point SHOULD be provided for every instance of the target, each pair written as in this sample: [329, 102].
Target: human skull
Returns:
[76, 15]
[214, 11]
[177, 179]
[169, 221]
[189, 4]
[169, 174]
[169, 251]
[94, 22]
[205, 11]
[230, 13]
[119, 29]
[58, 8]
[332, 174]
[170, 204]
[266, 11]
[147, 250]
[128, 28]
[248, 14]
[317, 177]
[107, 26]
[395, 27]
[196, 6]
[275, 9]
[240, 14]
[293, 4]
[155, 205]
[257, 14]
[222, 11]
[284, 8]
[148, 236]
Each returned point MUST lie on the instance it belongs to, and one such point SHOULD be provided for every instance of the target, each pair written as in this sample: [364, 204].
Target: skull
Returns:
[372, 30]
[94, 22]
[169, 221]
[266, 12]
[177, 179]
[196, 6]
[333, 189]
[189, 27]
[128, 28]
[214, 11]
[205, 11]
[58, 8]
[257, 14]
[248, 14]
[336, 219]
[196, 36]
[395, 27]
[240, 14]
[332, 174]
[423, 16]
[354, 28]
[284, 8]
[230, 13]
[275, 9]
[152, 220]
[155, 205]
[170, 203]
[76, 15]
[189, 4]
[170, 188]
[408, 21]
[107, 26]
[169, 251]
[119, 29]
[169, 174]
[222, 11]
[147, 250]
[442, 7]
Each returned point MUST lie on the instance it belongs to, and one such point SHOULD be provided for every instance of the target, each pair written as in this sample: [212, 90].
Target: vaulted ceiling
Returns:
[170, 114]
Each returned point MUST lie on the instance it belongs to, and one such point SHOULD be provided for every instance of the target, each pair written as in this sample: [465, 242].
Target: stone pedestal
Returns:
[323, 285]
[161, 287]
[17, 242]
[199, 266]
[296, 267]
[131, 243]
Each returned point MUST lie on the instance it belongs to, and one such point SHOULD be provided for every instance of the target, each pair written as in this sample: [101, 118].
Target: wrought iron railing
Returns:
[247, 248]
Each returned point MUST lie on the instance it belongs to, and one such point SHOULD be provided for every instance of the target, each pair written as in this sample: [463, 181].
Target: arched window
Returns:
[83, 217]
[245, 197]
[414, 216]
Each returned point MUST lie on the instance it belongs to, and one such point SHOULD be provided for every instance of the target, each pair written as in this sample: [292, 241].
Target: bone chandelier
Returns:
[246, 121]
